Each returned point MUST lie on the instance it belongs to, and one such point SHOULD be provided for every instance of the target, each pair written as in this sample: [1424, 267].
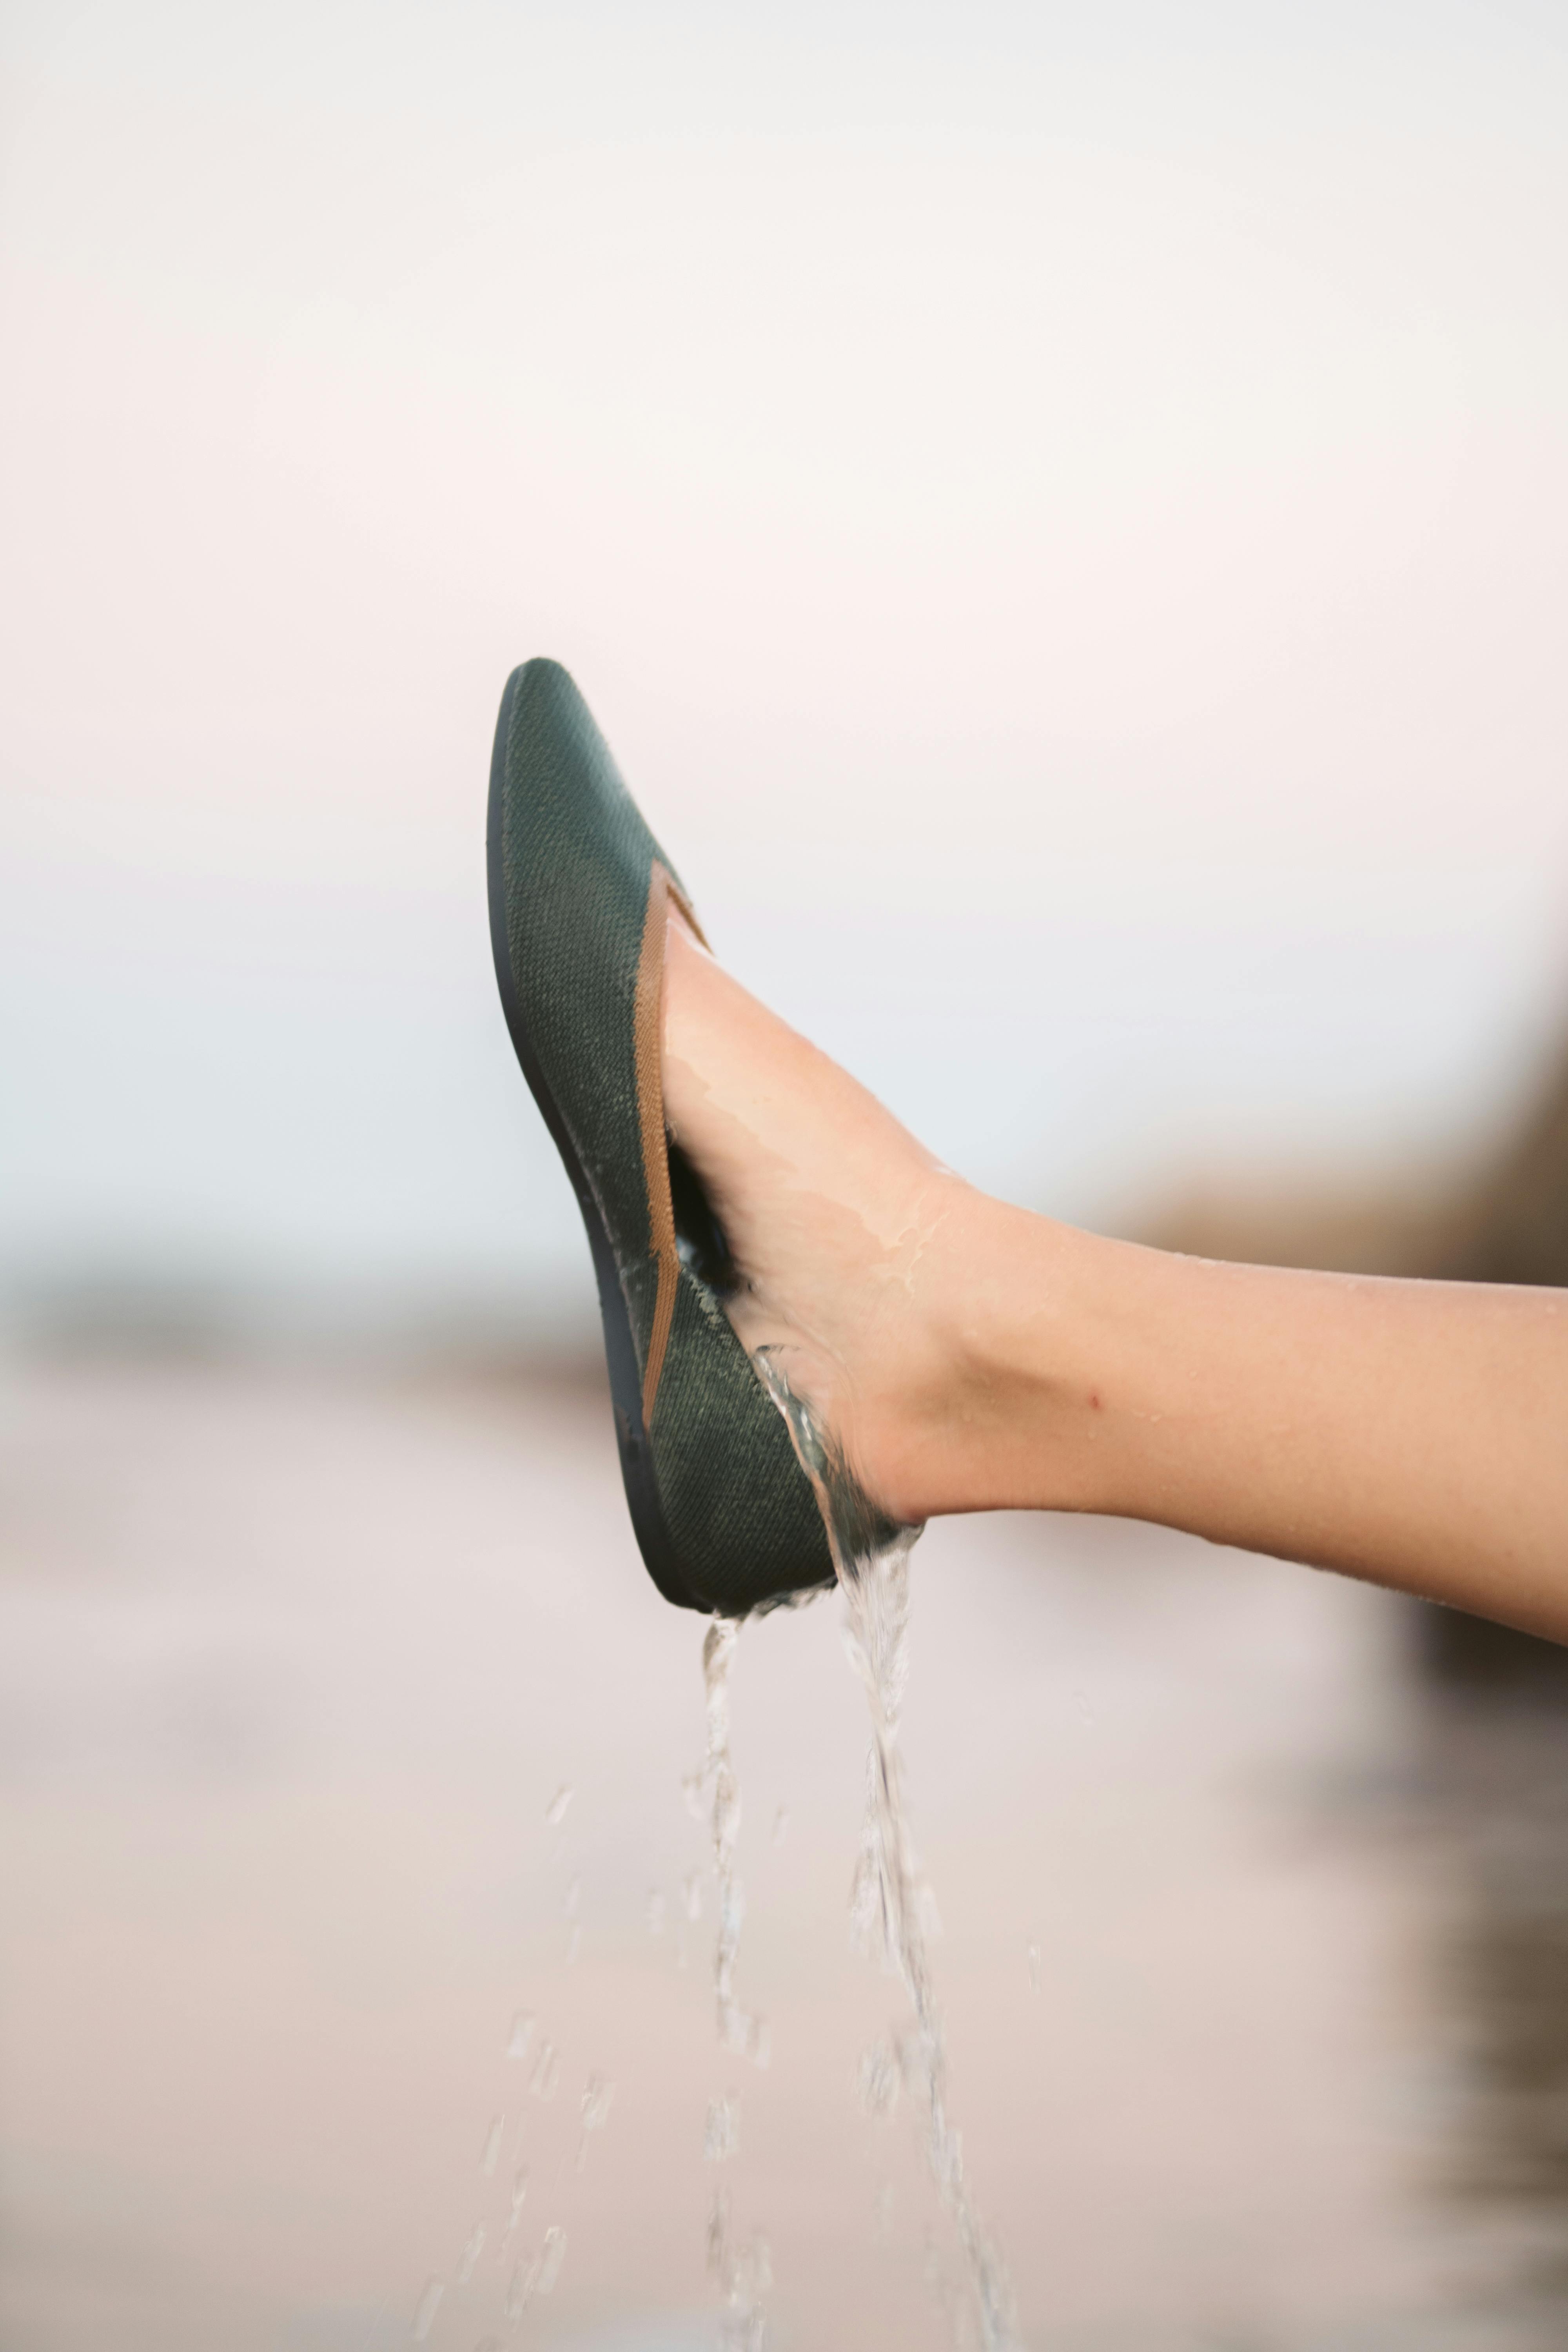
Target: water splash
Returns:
[889, 1906]
[552, 2254]
[597, 2098]
[514, 2211]
[536, 2276]
[722, 2135]
[746, 2274]
[744, 2271]
[519, 2289]
[879, 2079]
[546, 2071]
[738, 2032]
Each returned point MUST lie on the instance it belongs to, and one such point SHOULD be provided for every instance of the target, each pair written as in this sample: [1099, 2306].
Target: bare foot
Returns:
[830, 1209]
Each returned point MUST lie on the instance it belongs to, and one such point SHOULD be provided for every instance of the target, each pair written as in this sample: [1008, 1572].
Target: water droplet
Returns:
[745, 2273]
[867, 1926]
[760, 2043]
[597, 2097]
[734, 2029]
[519, 2289]
[555, 1812]
[947, 2162]
[692, 1895]
[471, 2254]
[722, 2135]
[781, 1825]
[691, 1789]
[726, 1816]
[717, 2233]
[514, 2213]
[655, 1911]
[878, 2083]
[918, 2060]
[546, 2070]
[552, 2254]
[428, 2305]
[572, 1902]
[522, 2033]
[492, 2145]
[1032, 1954]
[744, 2327]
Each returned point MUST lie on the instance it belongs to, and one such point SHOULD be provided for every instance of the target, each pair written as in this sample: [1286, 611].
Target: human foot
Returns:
[835, 1216]
[913, 1315]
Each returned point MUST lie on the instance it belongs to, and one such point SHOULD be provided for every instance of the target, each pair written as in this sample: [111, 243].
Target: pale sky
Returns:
[1063, 515]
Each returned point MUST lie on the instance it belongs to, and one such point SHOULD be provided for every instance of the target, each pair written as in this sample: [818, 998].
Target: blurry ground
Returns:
[291, 1664]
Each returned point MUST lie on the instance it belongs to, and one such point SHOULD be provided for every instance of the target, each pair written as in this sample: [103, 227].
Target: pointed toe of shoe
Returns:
[724, 1515]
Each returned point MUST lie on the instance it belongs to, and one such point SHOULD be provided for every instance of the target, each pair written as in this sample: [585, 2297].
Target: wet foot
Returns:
[964, 1355]
[835, 1215]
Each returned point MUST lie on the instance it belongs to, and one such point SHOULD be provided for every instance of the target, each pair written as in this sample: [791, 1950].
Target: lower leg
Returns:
[968, 1356]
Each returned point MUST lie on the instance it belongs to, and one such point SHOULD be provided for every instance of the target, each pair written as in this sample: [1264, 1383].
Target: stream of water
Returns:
[891, 1901]
[743, 2268]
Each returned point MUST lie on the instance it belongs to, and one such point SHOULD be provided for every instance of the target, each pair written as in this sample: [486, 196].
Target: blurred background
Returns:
[1063, 516]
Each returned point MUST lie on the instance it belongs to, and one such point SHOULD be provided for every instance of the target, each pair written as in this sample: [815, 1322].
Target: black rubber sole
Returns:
[620, 1349]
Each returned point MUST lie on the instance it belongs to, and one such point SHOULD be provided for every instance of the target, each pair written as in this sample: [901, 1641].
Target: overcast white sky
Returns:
[1063, 514]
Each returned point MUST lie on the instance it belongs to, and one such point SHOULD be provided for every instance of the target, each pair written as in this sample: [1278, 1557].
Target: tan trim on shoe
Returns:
[647, 1041]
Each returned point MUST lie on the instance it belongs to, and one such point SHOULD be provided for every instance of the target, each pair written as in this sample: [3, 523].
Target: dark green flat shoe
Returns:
[579, 896]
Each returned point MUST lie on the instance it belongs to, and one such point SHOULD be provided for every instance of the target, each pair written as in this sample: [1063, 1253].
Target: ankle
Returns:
[998, 1403]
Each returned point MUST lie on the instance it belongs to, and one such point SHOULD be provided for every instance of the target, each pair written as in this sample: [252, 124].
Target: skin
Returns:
[968, 1356]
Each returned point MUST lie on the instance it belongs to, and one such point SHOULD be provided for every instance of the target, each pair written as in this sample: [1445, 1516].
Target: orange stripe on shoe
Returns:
[647, 1039]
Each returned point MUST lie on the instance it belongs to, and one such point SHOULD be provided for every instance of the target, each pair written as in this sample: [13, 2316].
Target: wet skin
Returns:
[968, 1356]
